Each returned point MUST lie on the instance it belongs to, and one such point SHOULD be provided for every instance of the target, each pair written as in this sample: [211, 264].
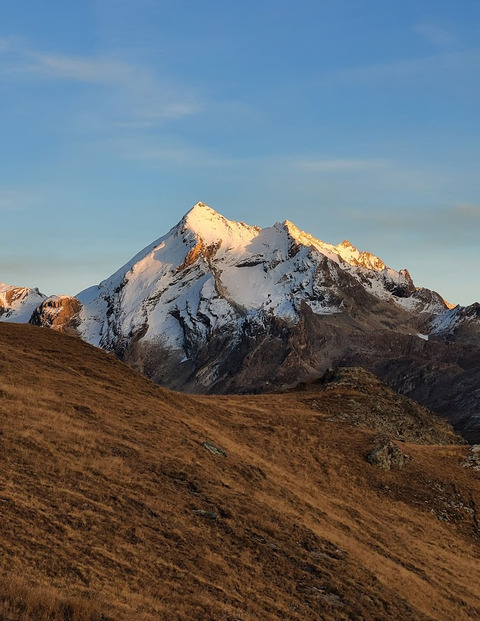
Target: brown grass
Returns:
[111, 508]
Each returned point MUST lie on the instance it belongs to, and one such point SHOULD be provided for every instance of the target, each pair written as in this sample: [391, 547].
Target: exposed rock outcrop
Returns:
[387, 456]
[60, 312]
[354, 396]
[473, 458]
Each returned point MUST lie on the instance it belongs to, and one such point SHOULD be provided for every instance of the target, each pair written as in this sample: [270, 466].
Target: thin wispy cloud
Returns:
[340, 165]
[164, 154]
[14, 200]
[149, 149]
[88, 70]
[373, 174]
[426, 69]
[449, 225]
[436, 35]
[146, 98]
[154, 148]
[4, 45]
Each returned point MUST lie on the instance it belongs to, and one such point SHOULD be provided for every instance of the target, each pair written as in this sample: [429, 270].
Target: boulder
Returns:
[473, 458]
[387, 456]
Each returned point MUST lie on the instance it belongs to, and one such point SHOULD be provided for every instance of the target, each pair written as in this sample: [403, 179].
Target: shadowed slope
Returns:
[113, 508]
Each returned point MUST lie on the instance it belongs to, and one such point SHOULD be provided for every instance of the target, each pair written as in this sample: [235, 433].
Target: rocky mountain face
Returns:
[461, 323]
[60, 312]
[221, 306]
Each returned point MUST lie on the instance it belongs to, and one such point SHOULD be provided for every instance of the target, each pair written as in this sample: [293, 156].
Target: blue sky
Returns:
[355, 119]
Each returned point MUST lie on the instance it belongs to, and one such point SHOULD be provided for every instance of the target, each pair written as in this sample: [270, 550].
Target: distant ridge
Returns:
[18, 303]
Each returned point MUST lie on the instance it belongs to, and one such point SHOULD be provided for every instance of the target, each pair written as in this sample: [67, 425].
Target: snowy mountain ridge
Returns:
[209, 272]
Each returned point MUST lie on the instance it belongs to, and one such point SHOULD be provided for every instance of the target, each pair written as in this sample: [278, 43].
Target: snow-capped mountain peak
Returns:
[210, 273]
[211, 227]
[18, 303]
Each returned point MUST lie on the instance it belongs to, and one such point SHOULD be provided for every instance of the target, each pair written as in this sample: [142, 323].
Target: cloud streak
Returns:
[340, 165]
[449, 225]
[377, 179]
[77, 69]
[145, 97]
[436, 35]
[13, 200]
[429, 68]
[153, 149]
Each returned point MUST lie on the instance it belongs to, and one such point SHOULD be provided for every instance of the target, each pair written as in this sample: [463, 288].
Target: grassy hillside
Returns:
[112, 507]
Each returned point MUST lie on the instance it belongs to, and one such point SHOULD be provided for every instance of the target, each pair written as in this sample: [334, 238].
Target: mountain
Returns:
[201, 292]
[338, 499]
[221, 306]
[18, 303]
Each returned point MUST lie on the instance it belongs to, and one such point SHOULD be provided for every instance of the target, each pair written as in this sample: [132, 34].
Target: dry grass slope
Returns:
[112, 508]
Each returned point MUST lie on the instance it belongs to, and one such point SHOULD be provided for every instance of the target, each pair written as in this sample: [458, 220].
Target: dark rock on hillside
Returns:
[387, 456]
[473, 458]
